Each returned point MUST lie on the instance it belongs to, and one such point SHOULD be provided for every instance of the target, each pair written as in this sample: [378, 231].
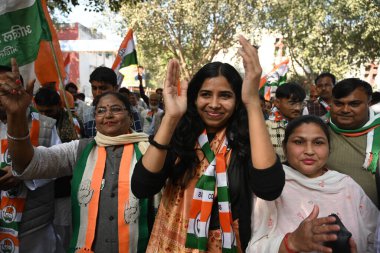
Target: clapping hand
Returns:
[175, 93]
[253, 70]
[13, 97]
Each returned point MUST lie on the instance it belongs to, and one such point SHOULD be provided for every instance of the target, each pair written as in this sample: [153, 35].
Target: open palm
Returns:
[175, 93]
[252, 69]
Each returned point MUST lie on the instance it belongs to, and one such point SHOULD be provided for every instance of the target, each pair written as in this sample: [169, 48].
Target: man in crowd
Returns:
[134, 103]
[324, 84]
[48, 103]
[147, 116]
[355, 135]
[159, 92]
[287, 106]
[313, 95]
[102, 80]
[136, 108]
[78, 103]
[70, 98]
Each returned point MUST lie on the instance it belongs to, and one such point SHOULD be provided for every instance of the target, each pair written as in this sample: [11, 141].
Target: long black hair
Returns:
[191, 124]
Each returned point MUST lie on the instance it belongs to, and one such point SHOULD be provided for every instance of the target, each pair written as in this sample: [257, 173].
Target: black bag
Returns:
[341, 245]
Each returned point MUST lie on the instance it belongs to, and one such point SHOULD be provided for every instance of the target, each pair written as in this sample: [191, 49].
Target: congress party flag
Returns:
[126, 55]
[22, 27]
[27, 34]
[276, 77]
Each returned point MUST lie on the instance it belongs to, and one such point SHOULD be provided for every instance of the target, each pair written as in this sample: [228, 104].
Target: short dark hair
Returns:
[119, 96]
[291, 90]
[347, 86]
[105, 75]
[71, 85]
[124, 90]
[47, 97]
[326, 74]
[306, 119]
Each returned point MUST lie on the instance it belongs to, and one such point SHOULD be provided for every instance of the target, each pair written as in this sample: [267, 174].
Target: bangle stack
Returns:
[18, 138]
[287, 245]
[158, 145]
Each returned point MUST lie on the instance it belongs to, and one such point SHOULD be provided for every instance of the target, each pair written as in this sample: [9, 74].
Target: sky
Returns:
[92, 20]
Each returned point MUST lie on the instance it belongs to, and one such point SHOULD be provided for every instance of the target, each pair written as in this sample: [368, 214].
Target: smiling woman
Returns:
[204, 144]
[216, 103]
[107, 217]
[112, 114]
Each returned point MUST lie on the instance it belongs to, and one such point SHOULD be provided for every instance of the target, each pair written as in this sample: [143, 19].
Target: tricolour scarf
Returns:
[13, 201]
[324, 104]
[372, 129]
[86, 186]
[204, 193]
[276, 116]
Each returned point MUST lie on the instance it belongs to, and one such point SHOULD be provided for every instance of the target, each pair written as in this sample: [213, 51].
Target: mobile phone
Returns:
[2, 172]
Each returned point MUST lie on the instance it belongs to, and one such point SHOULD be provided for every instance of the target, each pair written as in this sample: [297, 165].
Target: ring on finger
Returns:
[18, 81]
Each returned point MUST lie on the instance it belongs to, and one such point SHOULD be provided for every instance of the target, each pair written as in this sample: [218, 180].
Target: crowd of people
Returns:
[201, 166]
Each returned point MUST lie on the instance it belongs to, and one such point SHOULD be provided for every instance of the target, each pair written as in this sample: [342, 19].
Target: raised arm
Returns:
[142, 91]
[15, 101]
[175, 99]
[262, 152]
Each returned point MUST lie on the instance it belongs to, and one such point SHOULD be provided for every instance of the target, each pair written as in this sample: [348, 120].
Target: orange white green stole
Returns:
[372, 130]
[13, 201]
[86, 186]
[276, 116]
[214, 178]
[324, 104]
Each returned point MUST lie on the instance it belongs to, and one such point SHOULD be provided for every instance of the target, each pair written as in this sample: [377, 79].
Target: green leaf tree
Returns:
[333, 35]
[65, 6]
[192, 31]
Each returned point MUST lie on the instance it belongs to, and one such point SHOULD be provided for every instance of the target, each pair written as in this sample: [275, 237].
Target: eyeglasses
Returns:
[101, 111]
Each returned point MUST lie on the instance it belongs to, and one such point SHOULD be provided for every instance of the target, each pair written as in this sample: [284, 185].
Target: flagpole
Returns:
[62, 88]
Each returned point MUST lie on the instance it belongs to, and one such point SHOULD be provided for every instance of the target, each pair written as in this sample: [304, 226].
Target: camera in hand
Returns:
[341, 245]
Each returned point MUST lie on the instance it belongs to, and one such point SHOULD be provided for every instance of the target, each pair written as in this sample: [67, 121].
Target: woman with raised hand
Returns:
[212, 152]
[299, 221]
[107, 217]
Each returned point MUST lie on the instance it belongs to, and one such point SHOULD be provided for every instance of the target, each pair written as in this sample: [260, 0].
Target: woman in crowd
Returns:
[211, 152]
[107, 217]
[291, 223]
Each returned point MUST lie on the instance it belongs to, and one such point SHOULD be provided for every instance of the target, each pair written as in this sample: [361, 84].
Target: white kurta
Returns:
[333, 192]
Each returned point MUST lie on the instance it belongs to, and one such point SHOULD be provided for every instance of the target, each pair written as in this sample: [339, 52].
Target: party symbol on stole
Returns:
[7, 246]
